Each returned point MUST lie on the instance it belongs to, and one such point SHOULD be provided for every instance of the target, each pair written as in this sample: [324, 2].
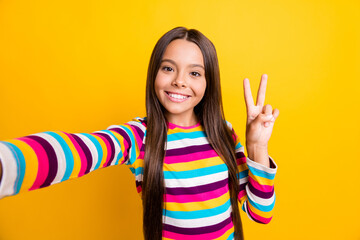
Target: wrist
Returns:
[258, 153]
[253, 147]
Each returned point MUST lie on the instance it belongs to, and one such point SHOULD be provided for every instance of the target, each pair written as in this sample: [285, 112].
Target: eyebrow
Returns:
[173, 62]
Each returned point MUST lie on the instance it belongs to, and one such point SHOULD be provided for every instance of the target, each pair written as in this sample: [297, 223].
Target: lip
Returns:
[176, 99]
[186, 95]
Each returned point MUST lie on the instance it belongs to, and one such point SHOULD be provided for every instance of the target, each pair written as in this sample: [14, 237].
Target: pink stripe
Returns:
[42, 158]
[205, 236]
[234, 136]
[197, 197]
[241, 160]
[241, 194]
[126, 146]
[81, 155]
[257, 217]
[125, 153]
[107, 147]
[138, 139]
[173, 126]
[263, 188]
[190, 157]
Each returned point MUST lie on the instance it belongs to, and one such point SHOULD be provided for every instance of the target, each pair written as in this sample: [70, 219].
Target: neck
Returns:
[184, 121]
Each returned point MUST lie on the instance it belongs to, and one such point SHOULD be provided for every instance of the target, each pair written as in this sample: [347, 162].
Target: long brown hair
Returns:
[210, 114]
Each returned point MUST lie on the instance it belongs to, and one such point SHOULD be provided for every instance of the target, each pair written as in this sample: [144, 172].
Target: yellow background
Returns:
[80, 66]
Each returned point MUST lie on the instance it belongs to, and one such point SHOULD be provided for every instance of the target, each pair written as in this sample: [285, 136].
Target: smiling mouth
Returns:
[175, 97]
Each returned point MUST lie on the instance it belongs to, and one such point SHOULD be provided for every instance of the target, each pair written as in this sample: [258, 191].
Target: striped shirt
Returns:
[197, 199]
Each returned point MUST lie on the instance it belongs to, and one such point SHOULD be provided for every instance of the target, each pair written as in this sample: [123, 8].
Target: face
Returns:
[180, 82]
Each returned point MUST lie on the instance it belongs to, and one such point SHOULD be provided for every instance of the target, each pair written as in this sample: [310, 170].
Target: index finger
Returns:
[247, 94]
[261, 92]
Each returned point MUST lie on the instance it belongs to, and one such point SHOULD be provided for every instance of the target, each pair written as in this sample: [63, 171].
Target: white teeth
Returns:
[177, 96]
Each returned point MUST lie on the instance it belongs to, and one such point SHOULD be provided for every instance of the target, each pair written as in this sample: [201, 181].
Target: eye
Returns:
[198, 74]
[166, 68]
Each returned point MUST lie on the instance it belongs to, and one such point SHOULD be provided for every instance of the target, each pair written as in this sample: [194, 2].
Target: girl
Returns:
[188, 162]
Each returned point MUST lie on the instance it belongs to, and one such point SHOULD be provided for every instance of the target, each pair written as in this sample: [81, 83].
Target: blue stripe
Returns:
[138, 170]
[21, 165]
[196, 172]
[133, 144]
[261, 173]
[231, 237]
[238, 145]
[117, 140]
[68, 155]
[97, 146]
[198, 213]
[243, 174]
[120, 156]
[262, 207]
[182, 135]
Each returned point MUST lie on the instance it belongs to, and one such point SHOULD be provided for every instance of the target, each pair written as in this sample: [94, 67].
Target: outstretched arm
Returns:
[42, 159]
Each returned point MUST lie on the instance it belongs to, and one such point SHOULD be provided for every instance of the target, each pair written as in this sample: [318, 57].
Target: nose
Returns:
[180, 81]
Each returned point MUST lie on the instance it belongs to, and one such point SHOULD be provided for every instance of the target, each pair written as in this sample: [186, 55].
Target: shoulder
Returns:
[233, 133]
[137, 124]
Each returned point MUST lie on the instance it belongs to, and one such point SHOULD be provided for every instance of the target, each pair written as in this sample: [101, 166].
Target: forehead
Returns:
[184, 52]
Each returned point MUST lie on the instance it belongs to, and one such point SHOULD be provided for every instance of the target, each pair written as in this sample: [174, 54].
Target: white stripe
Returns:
[196, 181]
[60, 155]
[93, 150]
[198, 222]
[248, 214]
[256, 199]
[240, 149]
[138, 124]
[9, 171]
[139, 177]
[117, 147]
[228, 124]
[243, 180]
[261, 167]
[187, 142]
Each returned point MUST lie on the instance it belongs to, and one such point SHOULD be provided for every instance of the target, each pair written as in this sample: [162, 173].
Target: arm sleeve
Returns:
[42, 159]
[257, 195]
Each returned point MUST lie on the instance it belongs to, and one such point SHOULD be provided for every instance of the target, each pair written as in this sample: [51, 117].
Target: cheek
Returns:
[157, 85]
[201, 87]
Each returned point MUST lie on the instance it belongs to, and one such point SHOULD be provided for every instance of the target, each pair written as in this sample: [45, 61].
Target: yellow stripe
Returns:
[243, 167]
[137, 150]
[32, 164]
[120, 138]
[77, 161]
[138, 163]
[226, 234]
[208, 162]
[260, 213]
[242, 200]
[176, 130]
[194, 206]
[103, 147]
[261, 180]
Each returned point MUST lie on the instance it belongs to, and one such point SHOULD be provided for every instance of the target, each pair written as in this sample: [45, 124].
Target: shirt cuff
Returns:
[272, 169]
[9, 171]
